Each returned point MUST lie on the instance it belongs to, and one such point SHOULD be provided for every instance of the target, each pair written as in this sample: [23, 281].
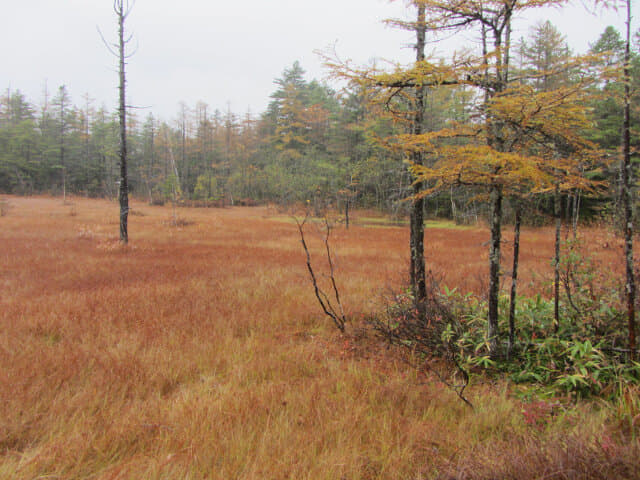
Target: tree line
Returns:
[313, 143]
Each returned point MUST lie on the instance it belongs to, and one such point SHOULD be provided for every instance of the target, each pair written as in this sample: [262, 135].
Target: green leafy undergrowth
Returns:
[584, 358]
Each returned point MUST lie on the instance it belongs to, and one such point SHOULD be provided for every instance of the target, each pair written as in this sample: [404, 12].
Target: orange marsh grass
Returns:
[200, 352]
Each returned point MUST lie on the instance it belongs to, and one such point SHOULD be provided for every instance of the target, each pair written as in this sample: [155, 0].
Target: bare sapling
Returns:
[335, 314]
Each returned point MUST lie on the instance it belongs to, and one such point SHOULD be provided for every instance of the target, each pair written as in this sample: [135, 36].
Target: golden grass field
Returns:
[200, 352]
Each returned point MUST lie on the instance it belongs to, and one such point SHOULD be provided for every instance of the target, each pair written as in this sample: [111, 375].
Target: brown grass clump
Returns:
[200, 352]
[525, 458]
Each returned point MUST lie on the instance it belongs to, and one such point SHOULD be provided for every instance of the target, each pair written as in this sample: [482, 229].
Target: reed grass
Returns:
[198, 351]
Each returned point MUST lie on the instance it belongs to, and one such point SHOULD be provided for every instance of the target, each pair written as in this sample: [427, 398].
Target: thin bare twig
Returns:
[330, 261]
[420, 337]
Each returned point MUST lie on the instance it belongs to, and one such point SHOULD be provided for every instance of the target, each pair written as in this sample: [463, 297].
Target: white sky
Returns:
[220, 52]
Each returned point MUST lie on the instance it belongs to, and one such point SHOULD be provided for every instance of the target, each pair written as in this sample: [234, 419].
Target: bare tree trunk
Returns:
[85, 128]
[152, 162]
[454, 213]
[556, 261]
[514, 279]
[175, 185]
[576, 213]
[63, 125]
[496, 141]
[494, 268]
[184, 164]
[418, 282]
[627, 199]
[122, 11]
[346, 213]
[507, 49]
[485, 62]
[64, 167]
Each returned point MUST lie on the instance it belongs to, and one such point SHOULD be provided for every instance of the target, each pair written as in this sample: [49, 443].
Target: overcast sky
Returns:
[219, 52]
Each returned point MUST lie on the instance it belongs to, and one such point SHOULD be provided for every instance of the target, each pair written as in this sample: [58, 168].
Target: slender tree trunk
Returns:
[123, 193]
[151, 161]
[485, 61]
[514, 279]
[184, 188]
[494, 268]
[496, 140]
[507, 49]
[556, 261]
[576, 213]
[346, 213]
[64, 170]
[62, 156]
[62, 145]
[627, 198]
[418, 281]
[454, 211]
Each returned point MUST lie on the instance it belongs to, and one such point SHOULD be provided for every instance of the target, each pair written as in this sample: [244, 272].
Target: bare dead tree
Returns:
[175, 185]
[337, 315]
[62, 101]
[122, 9]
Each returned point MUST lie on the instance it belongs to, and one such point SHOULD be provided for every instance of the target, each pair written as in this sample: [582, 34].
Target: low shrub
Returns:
[583, 358]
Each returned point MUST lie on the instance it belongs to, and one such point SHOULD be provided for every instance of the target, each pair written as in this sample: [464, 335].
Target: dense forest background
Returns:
[313, 143]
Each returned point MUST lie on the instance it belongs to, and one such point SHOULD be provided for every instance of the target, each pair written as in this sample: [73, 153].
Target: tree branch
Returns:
[339, 319]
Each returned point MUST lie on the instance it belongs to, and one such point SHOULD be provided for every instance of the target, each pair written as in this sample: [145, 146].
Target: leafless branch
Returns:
[420, 338]
[330, 261]
[134, 51]
[120, 7]
[107, 44]
[339, 318]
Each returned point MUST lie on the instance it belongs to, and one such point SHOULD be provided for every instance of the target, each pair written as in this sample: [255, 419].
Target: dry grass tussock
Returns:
[565, 458]
[199, 352]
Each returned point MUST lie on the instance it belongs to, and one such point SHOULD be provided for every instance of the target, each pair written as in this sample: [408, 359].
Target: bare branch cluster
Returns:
[122, 9]
[419, 335]
[336, 314]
